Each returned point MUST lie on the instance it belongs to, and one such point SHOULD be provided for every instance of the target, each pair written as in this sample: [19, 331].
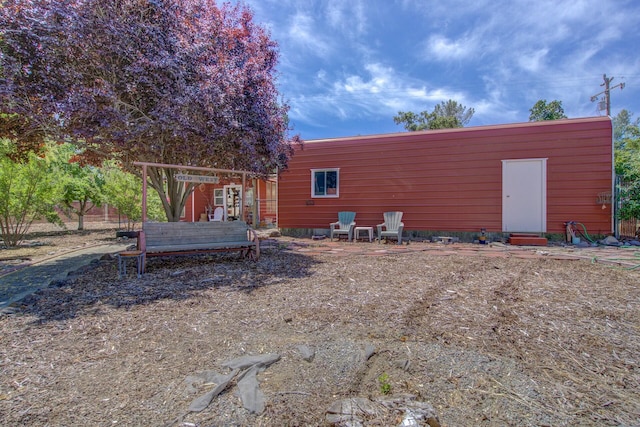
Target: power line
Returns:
[607, 92]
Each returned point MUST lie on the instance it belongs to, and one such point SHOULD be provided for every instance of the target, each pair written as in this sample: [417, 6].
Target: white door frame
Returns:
[225, 197]
[534, 186]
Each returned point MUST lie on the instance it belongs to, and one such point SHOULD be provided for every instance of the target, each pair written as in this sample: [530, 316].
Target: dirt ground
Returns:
[485, 341]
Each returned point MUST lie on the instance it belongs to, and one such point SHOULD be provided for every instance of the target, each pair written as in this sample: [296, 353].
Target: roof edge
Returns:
[466, 129]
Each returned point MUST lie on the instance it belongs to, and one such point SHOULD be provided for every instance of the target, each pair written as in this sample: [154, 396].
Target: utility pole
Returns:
[607, 92]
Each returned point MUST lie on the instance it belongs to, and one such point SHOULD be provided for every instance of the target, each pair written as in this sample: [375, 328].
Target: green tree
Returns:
[123, 190]
[27, 192]
[627, 162]
[81, 186]
[445, 115]
[543, 111]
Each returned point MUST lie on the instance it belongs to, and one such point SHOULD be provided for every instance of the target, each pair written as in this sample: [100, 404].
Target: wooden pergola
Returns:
[181, 167]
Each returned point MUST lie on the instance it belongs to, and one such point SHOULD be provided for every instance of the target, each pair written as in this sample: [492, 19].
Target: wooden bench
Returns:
[182, 238]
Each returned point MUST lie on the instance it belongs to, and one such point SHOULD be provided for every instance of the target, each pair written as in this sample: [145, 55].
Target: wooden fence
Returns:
[626, 228]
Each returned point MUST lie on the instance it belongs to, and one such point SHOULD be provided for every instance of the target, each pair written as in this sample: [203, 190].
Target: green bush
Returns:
[27, 192]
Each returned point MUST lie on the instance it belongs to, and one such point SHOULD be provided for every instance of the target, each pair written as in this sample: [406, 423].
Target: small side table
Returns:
[357, 230]
[122, 262]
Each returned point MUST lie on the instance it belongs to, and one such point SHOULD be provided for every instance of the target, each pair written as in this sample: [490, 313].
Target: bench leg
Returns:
[122, 267]
[122, 263]
[144, 263]
[140, 264]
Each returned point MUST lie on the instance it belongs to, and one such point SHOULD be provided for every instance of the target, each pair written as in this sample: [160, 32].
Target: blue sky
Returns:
[348, 66]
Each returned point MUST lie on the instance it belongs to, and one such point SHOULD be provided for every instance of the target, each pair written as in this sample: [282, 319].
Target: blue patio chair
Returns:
[344, 225]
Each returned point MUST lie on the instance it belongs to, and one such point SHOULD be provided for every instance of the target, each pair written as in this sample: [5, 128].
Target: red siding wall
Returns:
[198, 202]
[452, 179]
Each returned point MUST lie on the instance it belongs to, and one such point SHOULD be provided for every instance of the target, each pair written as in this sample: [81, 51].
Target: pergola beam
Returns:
[182, 167]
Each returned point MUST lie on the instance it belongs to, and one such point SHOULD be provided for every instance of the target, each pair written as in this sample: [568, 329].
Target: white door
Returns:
[524, 195]
[232, 202]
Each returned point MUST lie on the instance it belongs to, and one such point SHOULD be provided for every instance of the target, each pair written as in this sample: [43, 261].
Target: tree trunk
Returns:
[84, 207]
[173, 194]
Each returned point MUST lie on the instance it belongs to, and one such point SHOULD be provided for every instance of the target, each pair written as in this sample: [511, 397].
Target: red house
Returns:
[525, 177]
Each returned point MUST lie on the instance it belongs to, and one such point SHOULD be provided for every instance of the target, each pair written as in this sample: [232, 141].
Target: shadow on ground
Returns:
[178, 278]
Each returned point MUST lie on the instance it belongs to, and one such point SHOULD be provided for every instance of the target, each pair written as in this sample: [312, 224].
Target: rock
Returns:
[203, 401]
[352, 411]
[249, 391]
[369, 350]
[306, 352]
[248, 388]
[409, 420]
[357, 411]
[415, 412]
[275, 233]
[194, 382]
[420, 412]
[245, 362]
[610, 241]
[403, 364]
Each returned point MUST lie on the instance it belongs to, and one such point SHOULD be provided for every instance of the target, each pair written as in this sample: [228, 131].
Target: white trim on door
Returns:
[524, 195]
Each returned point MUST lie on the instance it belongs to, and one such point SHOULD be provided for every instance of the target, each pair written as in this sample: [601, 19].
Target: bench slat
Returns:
[200, 246]
[193, 237]
[194, 232]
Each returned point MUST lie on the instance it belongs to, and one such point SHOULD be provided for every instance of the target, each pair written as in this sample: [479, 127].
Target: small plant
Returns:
[385, 385]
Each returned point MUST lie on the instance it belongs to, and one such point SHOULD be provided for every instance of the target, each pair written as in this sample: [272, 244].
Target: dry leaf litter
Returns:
[419, 338]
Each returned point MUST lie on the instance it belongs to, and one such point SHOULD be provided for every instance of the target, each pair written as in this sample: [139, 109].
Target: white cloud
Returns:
[443, 48]
[302, 33]
[348, 17]
[378, 82]
[377, 90]
[533, 61]
[321, 75]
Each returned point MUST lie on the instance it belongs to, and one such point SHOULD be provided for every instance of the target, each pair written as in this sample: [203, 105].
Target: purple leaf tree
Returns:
[167, 81]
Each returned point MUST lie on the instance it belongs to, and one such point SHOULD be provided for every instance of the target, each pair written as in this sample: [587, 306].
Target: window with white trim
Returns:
[325, 182]
[218, 197]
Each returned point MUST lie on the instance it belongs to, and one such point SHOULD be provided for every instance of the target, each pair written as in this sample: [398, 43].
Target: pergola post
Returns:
[242, 199]
[144, 193]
